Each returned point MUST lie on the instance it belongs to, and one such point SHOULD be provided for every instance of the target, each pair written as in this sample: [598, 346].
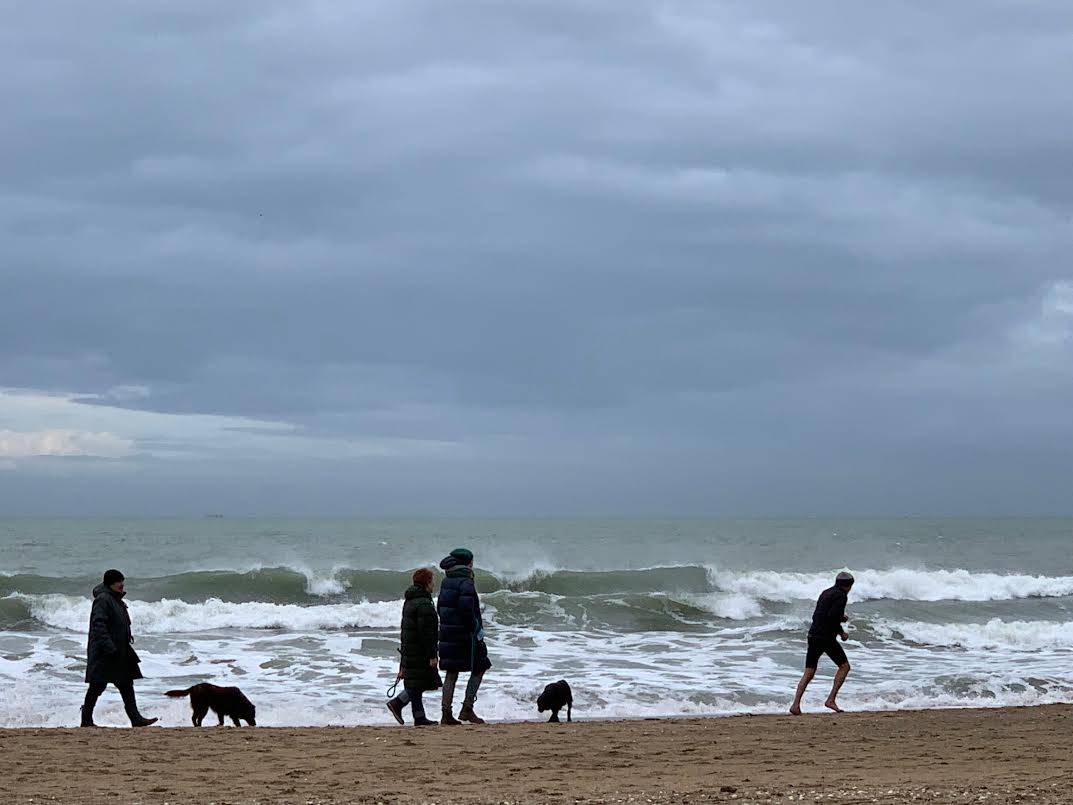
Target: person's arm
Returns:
[478, 621]
[429, 627]
[837, 615]
[477, 612]
[469, 608]
[98, 626]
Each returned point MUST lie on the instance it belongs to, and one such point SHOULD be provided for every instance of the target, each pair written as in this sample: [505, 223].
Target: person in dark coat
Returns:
[462, 645]
[110, 657]
[827, 620]
[417, 666]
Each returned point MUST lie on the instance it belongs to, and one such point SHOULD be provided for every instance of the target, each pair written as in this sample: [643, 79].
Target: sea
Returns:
[644, 618]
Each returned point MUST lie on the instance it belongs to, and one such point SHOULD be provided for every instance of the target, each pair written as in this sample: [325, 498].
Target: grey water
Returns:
[644, 617]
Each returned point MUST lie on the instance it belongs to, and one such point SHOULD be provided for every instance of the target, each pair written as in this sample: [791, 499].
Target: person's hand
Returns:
[398, 676]
[844, 636]
[433, 663]
[845, 618]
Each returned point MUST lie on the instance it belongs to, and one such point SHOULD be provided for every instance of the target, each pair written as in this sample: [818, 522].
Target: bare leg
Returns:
[795, 708]
[840, 677]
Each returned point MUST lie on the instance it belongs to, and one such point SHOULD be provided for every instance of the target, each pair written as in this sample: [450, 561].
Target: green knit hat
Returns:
[463, 555]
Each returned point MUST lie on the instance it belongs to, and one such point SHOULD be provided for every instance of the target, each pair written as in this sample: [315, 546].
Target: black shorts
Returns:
[824, 645]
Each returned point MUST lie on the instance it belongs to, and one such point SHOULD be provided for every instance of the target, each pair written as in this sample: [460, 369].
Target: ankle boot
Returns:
[87, 717]
[142, 721]
[467, 714]
[447, 719]
[395, 708]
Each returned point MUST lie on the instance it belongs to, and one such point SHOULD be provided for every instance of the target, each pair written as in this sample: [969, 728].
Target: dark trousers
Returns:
[412, 697]
[126, 690]
[450, 679]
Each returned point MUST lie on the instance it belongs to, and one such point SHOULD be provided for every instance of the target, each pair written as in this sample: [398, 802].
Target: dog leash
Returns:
[391, 690]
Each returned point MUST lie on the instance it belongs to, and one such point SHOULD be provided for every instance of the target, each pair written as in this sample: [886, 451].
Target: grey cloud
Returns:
[549, 229]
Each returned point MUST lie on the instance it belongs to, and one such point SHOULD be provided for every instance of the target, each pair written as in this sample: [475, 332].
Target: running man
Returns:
[826, 627]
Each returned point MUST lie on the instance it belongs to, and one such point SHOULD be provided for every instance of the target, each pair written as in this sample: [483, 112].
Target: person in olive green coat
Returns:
[418, 664]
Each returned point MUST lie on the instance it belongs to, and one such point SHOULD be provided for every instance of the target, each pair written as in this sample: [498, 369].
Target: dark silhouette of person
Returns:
[827, 620]
[110, 655]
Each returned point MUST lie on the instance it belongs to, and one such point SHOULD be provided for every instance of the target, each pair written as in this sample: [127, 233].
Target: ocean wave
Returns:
[301, 584]
[894, 584]
[730, 594]
[730, 606]
[625, 614]
[995, 633]
[176, 616]
[282, 585]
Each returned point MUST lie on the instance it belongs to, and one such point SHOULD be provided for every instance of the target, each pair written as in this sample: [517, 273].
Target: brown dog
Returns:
[228, 702]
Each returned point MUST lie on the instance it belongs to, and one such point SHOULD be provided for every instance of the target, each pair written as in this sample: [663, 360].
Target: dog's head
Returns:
[552, 698]
[542, 701]
[249, 712]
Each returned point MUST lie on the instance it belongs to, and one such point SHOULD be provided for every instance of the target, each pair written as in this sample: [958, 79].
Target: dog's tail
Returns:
[178, 694]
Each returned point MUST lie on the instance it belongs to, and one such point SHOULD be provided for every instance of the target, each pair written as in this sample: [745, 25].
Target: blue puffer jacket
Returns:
[460, 621]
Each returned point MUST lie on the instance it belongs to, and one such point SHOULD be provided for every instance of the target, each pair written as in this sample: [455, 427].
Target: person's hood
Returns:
[102, 588]
[449, 562]
[459, 556]
[417, 591]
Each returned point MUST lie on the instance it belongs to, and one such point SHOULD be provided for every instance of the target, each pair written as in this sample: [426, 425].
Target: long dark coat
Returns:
[460, 621]
[110, 657]
[419, 632]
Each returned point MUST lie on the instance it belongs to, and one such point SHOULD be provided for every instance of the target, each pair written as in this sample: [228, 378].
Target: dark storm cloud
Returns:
[716, 236]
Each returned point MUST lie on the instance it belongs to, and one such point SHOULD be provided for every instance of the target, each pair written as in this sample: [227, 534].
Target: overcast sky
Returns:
[536, 257]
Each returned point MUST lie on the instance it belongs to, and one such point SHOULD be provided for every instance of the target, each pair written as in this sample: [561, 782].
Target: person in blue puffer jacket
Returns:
[461, 645]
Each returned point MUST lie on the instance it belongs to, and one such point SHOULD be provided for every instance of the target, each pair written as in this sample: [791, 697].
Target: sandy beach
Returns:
[993, 755]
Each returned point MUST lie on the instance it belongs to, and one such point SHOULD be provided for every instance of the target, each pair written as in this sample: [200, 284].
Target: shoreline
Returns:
[812, 708]
[955, 755]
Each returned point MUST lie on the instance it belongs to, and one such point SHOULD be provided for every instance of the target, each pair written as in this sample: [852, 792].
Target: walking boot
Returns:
[395, 708]
[142, 721]
[447, 719]
[467, 714]
[87, 717]
[421, 721]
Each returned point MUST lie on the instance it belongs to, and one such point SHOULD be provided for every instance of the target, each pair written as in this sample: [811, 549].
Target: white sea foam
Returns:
[175, 616]
[732, 606]
[324, 583]
[749, 663]
[996, 633]
[894, 584]
[337, 678]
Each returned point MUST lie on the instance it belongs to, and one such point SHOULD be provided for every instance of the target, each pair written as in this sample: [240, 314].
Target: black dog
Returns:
[228, 702]
[555, 697]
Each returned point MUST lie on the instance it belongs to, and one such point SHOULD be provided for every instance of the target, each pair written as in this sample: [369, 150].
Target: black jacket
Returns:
[460, 621]
[110, 657]
[827, 617]
[419, 633]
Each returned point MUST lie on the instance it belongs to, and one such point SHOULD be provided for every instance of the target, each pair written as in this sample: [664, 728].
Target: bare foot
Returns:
[795, 709]
[830, 704]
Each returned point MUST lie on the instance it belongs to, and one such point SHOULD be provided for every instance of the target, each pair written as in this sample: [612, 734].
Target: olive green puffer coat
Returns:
[420, 629]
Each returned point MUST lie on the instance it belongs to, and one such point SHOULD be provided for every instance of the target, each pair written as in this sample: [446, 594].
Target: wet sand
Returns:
[938, 756]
